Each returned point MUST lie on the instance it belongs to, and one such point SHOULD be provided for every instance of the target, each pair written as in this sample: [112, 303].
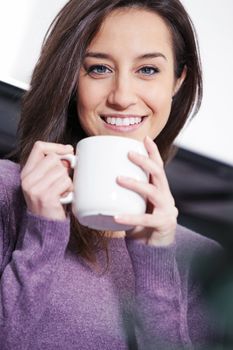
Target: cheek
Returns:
[89, 97]
[88, 100]
[84, 98]
[160, 103]
[159, 100]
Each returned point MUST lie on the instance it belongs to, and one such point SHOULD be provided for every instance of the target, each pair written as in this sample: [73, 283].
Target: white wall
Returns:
[23, 25]
[211, 131]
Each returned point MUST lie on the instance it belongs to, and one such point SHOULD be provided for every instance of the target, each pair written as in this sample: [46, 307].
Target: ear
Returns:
[179, 81]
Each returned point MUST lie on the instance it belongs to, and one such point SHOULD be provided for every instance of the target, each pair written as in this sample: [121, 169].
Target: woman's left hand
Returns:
[157, 226]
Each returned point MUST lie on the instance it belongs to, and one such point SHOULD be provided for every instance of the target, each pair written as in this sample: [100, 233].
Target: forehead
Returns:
[135, 29]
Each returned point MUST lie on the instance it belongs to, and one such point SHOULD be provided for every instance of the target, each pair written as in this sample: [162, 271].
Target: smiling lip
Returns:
[122, 122]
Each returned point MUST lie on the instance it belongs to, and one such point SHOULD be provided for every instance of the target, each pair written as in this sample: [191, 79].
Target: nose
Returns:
[122, 93]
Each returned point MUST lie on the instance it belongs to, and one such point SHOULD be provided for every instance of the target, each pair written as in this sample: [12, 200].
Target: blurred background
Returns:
[201, 174]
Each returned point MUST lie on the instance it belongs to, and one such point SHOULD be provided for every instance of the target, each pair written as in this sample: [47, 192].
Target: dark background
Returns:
[202, 187]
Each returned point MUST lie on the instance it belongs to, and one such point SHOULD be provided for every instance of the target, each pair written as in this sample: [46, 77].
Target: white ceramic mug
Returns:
[97, 197]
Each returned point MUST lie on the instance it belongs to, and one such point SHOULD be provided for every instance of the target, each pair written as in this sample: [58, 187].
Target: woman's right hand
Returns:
[44, 179]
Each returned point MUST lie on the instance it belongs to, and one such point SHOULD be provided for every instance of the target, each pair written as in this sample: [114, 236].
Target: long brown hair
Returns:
[49, 110]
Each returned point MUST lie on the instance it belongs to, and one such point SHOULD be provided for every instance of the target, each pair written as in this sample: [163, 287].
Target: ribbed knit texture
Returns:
[50, 298]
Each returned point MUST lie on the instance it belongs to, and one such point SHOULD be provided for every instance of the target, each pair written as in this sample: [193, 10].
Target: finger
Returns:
[42, 149]
[144, 220]
[154, 154]
[161, 222]
[49, 166]
[156, 172]
[153, 151]
[46, 172]
[61, 187]
[146, 190]
[47, 203]
[50, 190]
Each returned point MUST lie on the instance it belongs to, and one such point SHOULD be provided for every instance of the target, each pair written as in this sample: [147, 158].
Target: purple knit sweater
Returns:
[50, 298]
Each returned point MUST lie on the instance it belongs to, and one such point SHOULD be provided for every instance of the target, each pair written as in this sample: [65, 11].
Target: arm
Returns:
[160, 309]
[178, 291]
[207, 290]
[27, 266]
[162, 297]
[26, 280]
[27, 273]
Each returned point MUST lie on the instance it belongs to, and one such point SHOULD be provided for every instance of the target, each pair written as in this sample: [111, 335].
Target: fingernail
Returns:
[132, 153]
[123, 178]
[148, 138]
[70, 147]
[118, 218]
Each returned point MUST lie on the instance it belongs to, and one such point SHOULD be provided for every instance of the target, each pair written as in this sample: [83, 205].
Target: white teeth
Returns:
[126, 121]
[118, 121]
[123, 121]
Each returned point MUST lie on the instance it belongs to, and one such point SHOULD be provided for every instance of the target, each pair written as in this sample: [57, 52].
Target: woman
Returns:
[128, 68]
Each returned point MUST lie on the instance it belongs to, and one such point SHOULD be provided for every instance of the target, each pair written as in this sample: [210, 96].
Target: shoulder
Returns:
[12, 207]
[9, 169]
[195, 251]
[191, 240]
[10, 188]
[9, 177]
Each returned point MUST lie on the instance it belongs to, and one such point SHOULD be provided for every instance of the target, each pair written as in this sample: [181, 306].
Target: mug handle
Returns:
[72, 160]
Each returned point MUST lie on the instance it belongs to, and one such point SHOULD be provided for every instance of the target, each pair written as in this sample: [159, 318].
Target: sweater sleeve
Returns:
[159, 316]
[27, 276]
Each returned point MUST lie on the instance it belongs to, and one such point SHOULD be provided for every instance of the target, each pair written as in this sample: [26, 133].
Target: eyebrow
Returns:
[106, 56]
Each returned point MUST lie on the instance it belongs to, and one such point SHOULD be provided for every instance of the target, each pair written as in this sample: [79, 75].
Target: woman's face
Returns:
[127, 81]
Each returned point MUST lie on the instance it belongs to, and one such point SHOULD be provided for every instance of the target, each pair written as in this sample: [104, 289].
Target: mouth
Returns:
[122, 122]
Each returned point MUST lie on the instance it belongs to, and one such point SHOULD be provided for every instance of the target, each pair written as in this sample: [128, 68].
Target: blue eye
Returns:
[98, 69]
[147, 70]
